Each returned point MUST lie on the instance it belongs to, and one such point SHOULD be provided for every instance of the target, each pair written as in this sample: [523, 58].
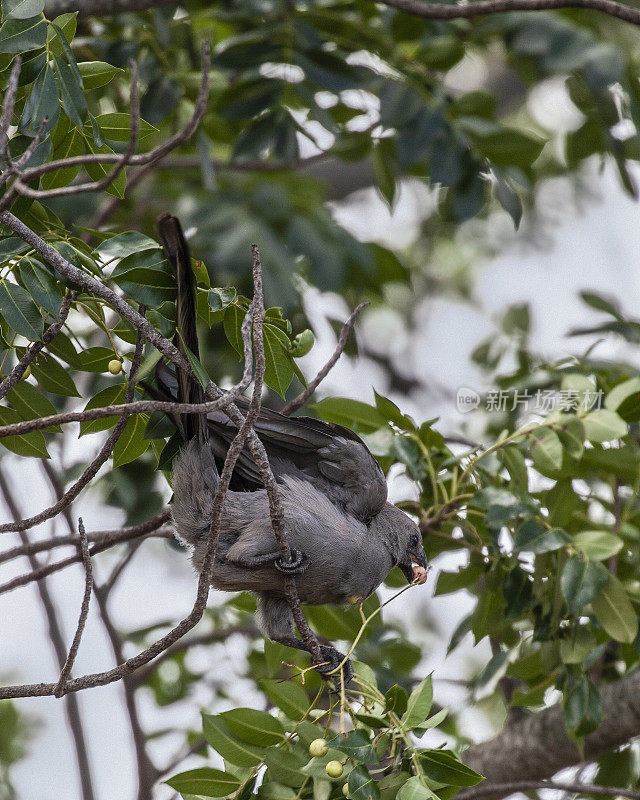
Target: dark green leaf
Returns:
[444, 767]
[111, 396]
[362, 786]
[19, 310]
[20, 35]
[29, 445]
[532, 537]
[254, 727]
[205, 782]
[132, 443]
[223, 742]
[41, 285]
[356, 745]
[582, 581]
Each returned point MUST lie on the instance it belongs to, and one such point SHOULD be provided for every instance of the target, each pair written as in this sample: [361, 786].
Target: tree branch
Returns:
[484, 789]
[57, 641]
[301, 399]
[482, 7]
[52, 331]
[90, 472]
[537, 746]
[84, 612]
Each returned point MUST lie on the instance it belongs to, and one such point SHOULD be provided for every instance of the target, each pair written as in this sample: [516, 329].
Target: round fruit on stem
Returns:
[115, 366]
[334, 769]
[318, 748]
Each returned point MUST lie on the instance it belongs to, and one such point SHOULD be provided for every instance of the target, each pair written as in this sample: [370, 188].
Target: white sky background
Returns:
[596, 247]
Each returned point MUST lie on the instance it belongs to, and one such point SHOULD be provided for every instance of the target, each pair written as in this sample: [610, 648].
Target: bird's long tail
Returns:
[189, 390]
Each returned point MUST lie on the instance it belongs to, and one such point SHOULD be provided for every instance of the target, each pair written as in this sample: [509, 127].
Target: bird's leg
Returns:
[253, 549]
[277, 624]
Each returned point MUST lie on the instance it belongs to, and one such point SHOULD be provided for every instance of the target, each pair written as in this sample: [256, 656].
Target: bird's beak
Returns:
[415, 558]
[420, 558]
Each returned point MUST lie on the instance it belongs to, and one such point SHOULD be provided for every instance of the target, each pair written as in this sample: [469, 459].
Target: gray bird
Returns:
[344, 535]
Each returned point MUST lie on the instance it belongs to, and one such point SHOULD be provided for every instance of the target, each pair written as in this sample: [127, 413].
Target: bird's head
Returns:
[403, 539]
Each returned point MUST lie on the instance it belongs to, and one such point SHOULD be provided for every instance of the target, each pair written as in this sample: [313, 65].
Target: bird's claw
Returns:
[334, 659]
[299, 562]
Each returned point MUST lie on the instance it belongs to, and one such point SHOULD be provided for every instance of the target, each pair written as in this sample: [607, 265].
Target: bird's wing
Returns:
[330, 456]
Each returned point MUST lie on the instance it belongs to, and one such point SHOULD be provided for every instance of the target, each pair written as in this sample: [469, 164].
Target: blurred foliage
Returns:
[545, 520]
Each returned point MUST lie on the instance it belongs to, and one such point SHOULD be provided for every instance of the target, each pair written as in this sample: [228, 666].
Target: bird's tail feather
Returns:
[189, 390]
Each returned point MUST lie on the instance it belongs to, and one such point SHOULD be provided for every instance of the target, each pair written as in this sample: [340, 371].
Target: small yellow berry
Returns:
[318, 748]
[334, 769]
[115, 366]
[345, 790]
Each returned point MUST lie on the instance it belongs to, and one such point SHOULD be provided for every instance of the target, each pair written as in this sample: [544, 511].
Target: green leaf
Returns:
[361, 785]
[53, 378]
[546, 449]
[71, 144]
[97, 73]
[30, 403]
[66, 25]
[19, 310]
[42, 101]
[223, 742]
[20, 35]
[199, 371]
[415, 789]
[444, 767]
[289, 697]
[21, 9]
[575, 647]
[356, 745]
[233, 319]
[598, 545]
[285, 767]
[219, 299]
[625, 400]
[581, 582]
[117, 127]
[615, 612]
[97, 171]
[254, 727]
[73, 100]
[396, 700]
[383, 170]
[532, 537]
[205, 781]
[392, 413]
[29, 445]
[508, 147]
[571, 432]
[419, 704]
[604, 425]
[278, 367]
[151, 287]
[351, 413]
[131, 444]
[111, 396]
[95, 359]
[11, 246]
[124, 244]
[41, 285]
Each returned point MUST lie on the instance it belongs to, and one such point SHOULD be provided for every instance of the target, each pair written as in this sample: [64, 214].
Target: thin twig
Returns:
[52, 331]
[504, 789]
[301, 399]
[57, 640]
[152, 527]
[90, 472]
[84, 611]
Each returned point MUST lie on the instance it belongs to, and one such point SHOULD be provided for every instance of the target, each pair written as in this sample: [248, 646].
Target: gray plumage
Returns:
[344, 534]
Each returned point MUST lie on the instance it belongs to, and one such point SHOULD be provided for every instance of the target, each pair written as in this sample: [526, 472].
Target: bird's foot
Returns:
[334, 659]
[299, 562]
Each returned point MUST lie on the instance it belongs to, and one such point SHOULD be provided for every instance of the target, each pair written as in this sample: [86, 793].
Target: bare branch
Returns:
[57, 641]
[504, 789]
[102, 539]
[142, 675]
[301, 399]
[117, 537]
[84, 612]
[481, 7]
[18, 371]
[90, 472]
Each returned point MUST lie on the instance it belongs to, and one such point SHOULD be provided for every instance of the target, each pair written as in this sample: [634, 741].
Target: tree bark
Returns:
[538, 746]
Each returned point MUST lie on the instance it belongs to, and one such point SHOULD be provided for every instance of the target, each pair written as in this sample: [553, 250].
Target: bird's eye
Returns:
[413, 541]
